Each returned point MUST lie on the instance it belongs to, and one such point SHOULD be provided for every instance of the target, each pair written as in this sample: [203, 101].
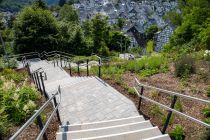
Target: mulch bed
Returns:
[193, 131]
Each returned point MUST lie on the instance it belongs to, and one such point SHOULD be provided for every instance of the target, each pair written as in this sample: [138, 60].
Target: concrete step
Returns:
[105, 130]
[162, 137]
[101, 124]
[131, 135]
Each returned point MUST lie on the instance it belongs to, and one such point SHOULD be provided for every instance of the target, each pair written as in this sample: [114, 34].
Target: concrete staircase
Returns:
[94, 109]
[132, 128]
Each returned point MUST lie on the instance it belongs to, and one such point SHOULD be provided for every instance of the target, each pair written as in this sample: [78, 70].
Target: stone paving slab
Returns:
[85, 99]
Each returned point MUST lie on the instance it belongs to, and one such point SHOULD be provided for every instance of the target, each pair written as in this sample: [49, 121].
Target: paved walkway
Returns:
[85, 99]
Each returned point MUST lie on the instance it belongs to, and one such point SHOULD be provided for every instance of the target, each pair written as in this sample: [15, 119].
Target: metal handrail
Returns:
[173, 110]
[38, 112]
[24, 54]
[31, 119]
[38, 70]
[173, 93]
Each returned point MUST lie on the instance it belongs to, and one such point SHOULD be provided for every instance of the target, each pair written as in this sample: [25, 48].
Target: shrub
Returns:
[131, 91]
[156, 111]
[184, 67]
[20, 104]
[147, 66]
[178, 105]
[206, 111]
[3, 122]
[136, 50]
[150, 47]
[11, 63]
[208, 91]
[207, 55]
[11, 74]
[177, 133]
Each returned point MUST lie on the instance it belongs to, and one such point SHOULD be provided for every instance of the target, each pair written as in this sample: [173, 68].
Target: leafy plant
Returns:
[184, 67]
[208, 91]
[156, 111]
[11, 74]
[206, 111]
[177, 133]
[3, 122]
[178, 105]
[131, 91]
[207, 55]
[147, 66]
[150, 47]
[20, 103]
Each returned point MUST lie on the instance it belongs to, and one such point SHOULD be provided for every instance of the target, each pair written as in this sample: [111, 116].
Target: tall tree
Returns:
[100, 32]
[68, 13]
[120, 23]
[35, 30]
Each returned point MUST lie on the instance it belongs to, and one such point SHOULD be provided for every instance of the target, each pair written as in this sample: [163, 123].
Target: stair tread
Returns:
[102, 123]
[106, 130]
[131, 135]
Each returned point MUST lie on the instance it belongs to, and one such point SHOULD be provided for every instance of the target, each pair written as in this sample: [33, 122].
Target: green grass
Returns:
[148, 65]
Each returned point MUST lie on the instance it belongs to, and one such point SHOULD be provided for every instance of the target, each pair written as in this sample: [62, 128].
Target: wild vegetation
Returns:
[183, 65]
[18, 99]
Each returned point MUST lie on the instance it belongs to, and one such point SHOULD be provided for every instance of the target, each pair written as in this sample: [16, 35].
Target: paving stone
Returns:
[85, 99]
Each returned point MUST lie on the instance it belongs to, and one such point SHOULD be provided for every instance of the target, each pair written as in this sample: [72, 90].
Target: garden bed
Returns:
[19, 100]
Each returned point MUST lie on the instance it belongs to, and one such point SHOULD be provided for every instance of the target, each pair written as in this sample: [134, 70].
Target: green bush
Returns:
[131, 91]
[3, 121]
[177, 133]
[11, 63]
[206, 111]
[178, 105]
[110, 71]
[20, 104]
[184, 67]
[11, 74]
[147, 66]
[156, 111]
[150, 47]
[208, 91]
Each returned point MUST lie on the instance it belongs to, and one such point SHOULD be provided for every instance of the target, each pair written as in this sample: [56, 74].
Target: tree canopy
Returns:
[35, 30]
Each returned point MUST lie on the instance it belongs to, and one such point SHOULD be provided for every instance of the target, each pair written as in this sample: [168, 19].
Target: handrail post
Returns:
[28, 69]
[140, 99]
[87, 68]
[57, 61]
[35, 80]
[39, 85]
[61, 61]
[78, 71]
[54, 62]
[57, 112]
[43, 86]
[39, 121]
[99, 68]
[70, 69]
[169, 114]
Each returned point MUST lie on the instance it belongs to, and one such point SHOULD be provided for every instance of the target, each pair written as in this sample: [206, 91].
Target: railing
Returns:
[62, 59]
[38, 76]
[173, 102]
[39, 120]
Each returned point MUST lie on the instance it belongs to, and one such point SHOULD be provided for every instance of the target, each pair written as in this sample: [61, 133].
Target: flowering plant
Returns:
[207, 55]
